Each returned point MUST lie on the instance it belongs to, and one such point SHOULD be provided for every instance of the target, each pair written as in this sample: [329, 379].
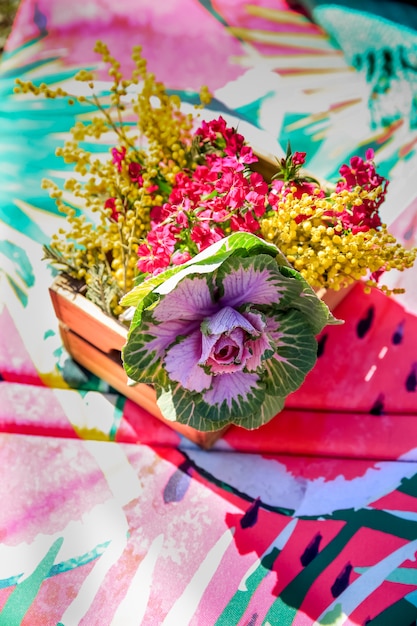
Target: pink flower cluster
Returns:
[362, 173]
[220, 196]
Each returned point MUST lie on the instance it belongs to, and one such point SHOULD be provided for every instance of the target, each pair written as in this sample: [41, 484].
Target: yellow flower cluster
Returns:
[95, 245]
[322, 251]
[166, 128]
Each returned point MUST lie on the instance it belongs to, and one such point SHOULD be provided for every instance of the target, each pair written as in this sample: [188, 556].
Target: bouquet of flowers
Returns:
[217, 264]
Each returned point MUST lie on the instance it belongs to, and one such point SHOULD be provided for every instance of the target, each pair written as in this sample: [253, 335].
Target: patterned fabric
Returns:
[379, 38]
[109, 517]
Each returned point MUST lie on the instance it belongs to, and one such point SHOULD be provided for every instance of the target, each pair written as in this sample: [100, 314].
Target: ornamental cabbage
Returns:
[225, 337]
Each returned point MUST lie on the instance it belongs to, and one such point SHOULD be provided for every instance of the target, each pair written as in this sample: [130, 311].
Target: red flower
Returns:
[178, 258]
[236, 187]
[237, 160]
[135, 173]
[234, 141]
[257, 202]
[204, 235]
[362, 173]
[155, 253]
[298, 158]
[118, 157]
[216, 210]
[245, 223]
[111, 204]
[210, 130]
[258, 183]
[365, 216]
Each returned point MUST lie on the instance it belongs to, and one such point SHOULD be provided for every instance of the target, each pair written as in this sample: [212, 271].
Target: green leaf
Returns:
[252, 245]
[205, 265]
[171, 402]
[296, 354]
[317, 313]
[178, 404]
[310, 179]
[271, 406]
[148, 302]
[141, 363]
[241, 405]
[135, 295]
[102, 288]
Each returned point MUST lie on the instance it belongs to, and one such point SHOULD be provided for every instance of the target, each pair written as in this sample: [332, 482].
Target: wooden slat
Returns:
[85, 318]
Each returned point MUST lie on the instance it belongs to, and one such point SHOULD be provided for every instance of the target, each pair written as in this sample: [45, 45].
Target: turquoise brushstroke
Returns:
[412, 598]
[6, 55]
[25, 592]
[208, 5]
[250, 112]
[385, 56]
[246, 113]
[22, 268]
[64, 566]
[10, 582]
[402, 575]
[79, 561]
[301, 138]
[281, 613]
[117, 417]
[236, 607]
[23, 297]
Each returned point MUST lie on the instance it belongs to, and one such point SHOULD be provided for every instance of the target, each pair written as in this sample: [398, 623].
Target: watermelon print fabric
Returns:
[109, 517]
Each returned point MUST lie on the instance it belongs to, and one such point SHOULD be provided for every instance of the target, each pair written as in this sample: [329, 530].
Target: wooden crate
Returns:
[95, 340]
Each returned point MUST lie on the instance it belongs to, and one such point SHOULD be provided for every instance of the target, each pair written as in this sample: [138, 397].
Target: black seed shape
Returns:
[411, 381]
[388, 62]
[365, 323]
[251, 516]
[398, 334]
[378, 406]
[311, 550]
[342, 581]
